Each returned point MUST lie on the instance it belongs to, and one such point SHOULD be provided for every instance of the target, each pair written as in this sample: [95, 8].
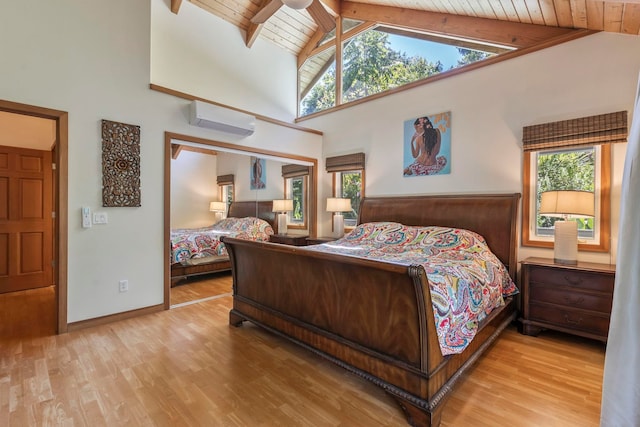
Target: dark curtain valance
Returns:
[585, 131]
[294, 171]
[347, 162]
[225, 179]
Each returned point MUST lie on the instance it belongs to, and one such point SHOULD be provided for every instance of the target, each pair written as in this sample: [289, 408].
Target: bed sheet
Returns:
[190, 243]
[467, 281]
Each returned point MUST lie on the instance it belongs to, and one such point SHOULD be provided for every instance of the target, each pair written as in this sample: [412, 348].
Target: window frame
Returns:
[603, 194]
[223, 194]
[337, 183]
[305, 195]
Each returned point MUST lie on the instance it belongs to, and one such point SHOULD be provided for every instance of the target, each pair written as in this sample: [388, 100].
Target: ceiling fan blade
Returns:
[323, 18]
[266, 11]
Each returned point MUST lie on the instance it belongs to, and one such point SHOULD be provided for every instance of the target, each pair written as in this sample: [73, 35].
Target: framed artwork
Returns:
[427, 145]
[258, 173]
[120, 164]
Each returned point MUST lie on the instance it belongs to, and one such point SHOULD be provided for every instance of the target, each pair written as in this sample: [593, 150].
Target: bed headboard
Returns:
[493, 216]
[259, 209]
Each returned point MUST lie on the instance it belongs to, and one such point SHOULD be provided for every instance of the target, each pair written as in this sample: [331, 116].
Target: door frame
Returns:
[60, 198]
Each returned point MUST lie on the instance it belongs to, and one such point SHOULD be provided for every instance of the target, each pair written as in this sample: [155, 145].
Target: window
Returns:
[348, 185]
[296, 188]
[584, 168]
[225, 188]
[570, 155]
[374, 59]
[348, 182]
[227, 194]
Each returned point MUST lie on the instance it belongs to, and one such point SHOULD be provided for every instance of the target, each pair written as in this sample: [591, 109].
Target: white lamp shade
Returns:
[217, 206]
[335, 204]
[567, 202]
[297, 4]
[284, 205]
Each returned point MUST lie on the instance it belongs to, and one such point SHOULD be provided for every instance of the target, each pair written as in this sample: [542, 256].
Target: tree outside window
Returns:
[565, 170]
[296, 192]
[351, 188]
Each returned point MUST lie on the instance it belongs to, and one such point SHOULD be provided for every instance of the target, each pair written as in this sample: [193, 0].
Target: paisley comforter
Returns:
[188, 243]
[467, 281]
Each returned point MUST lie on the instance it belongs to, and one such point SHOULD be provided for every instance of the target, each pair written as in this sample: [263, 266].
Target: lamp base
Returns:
[282, 223]
[565, 248]
[338, 225]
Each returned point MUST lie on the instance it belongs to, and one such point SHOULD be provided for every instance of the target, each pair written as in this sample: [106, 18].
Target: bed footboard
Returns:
[373, 318]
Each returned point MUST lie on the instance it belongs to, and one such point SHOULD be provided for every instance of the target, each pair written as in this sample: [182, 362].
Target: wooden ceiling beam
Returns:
[175, 6]
[491, 31]
[175, 150]
[334, 6]
[253, 31]
[312, 48]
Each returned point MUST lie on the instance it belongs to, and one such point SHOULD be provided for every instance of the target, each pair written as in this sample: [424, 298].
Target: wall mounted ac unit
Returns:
[222, 119]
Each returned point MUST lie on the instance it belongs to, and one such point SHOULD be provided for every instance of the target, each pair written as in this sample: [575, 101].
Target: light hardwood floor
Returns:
[188, 367]
[201, 288]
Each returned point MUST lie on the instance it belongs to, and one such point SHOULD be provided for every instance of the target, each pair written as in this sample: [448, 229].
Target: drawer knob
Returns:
[574, 301]
[571, 321]
[572, 280]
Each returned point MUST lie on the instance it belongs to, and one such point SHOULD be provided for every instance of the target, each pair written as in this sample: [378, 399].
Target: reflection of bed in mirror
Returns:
[196, 266]
[377, 318]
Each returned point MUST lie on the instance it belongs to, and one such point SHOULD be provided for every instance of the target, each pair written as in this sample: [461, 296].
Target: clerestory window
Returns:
[376, 60]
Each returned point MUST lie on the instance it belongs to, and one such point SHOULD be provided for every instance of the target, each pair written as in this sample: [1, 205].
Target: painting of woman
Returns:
[428, 146]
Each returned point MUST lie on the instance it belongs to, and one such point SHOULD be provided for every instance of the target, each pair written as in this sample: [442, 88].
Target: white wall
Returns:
[489, 106]
[197, 53]
[193, 187]
[92, 59]
[239, 165]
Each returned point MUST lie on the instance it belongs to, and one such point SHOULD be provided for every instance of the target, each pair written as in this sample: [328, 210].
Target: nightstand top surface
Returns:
[549, 262]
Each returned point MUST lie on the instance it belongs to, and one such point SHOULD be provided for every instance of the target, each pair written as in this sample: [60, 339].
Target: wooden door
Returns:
[26, 254]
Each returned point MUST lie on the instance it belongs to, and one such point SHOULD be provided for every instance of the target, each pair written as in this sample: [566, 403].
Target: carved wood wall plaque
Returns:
[120, 164]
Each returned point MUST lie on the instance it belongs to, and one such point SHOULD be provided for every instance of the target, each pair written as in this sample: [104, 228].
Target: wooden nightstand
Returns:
[319, 240]
[289, 239]
[575, 299]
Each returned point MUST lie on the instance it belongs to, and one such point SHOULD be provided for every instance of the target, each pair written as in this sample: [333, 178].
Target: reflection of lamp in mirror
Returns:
[337, 206]
[282, 206]
[219, 208]
[565, 204]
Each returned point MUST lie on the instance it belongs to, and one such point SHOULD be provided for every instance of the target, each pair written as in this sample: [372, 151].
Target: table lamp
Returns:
[565, 204]
[282, 206]
[219, 208]
[337, 206]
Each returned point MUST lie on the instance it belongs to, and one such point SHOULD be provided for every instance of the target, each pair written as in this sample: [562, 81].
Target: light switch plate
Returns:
[100, 218]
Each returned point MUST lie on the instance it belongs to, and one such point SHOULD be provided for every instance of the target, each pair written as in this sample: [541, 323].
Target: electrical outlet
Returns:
[123, 285]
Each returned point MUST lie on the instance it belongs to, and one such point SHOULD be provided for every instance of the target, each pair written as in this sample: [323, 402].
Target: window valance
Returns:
[294, 171]
[347, 162]
[585, 131]
[225, 179]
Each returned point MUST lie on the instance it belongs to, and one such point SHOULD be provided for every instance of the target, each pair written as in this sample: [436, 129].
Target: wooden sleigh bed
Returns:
[375, 318]
[213, 264]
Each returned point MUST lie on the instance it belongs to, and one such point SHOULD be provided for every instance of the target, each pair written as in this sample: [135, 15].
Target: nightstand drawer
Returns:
[574, 298]
[570, 298]
[572, 278]
[570, 319]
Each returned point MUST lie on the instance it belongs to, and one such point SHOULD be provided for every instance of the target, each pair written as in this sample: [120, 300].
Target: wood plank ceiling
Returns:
[503, 24]
[293, 29]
